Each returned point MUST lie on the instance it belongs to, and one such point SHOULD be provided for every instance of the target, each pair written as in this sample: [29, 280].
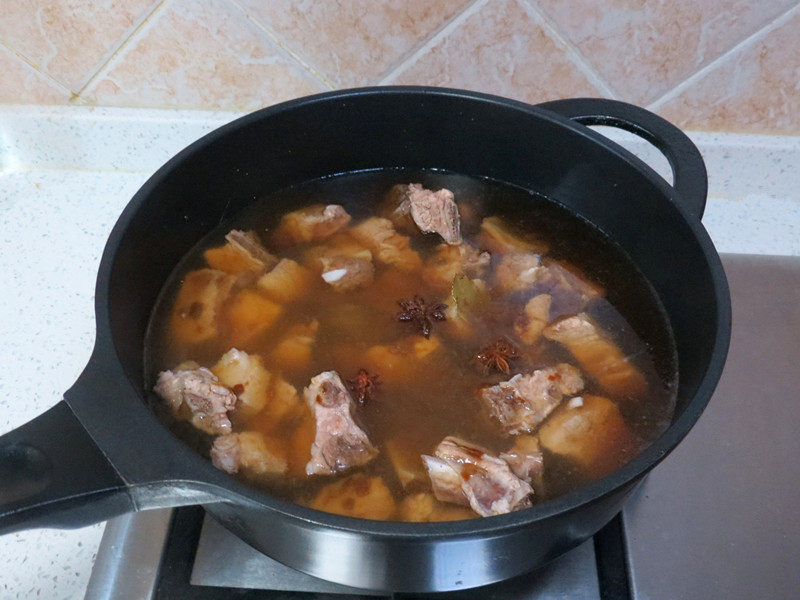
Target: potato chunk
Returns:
[300, 444]
[386, 244]
[283, 406]
[357, 496]
[242, 252]
[264, 398]
[286, 282]
[499, 236]
[590, 431]
[251, 314]
[283, 399]
[534, 319]
[246, 376]
[399, 361]
[196, 309]
[251, 453]
[293, 352]
[598, 355]
[425, 508]
[407, 465]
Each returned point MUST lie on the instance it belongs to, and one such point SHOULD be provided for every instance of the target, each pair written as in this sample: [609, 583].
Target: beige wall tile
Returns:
[69, 39]
[201, 55]
[21, 84]
[754, 90]
[352, 43]
[501, 50]
[644, 48]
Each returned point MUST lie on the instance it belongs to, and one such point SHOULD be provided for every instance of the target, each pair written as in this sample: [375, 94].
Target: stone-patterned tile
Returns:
[204, 55]
[501, 50]
[69, 40]
[21, 84]
[354, 42]
[643, 49]
[754, 90]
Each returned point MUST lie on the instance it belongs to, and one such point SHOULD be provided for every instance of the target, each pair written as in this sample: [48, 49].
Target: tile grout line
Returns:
[277, 40]
[434, 39]
[28, 64]
[104, 68]
[116, 46]
[572, 52]
[390, 70]
[711, 66]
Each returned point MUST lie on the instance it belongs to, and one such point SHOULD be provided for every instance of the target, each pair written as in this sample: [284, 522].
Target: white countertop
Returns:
[67, 172]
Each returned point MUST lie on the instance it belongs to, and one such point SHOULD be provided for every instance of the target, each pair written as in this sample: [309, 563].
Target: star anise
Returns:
[496, 355]
[421, 314]
[364, 386]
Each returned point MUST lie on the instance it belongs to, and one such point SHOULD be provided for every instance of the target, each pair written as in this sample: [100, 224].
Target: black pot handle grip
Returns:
[52, 474]
[688, 169]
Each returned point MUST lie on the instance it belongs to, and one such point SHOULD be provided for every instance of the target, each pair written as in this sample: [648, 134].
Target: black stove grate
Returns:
[177, 561]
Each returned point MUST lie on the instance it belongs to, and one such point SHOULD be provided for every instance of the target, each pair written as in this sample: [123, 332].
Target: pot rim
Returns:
[202, 474]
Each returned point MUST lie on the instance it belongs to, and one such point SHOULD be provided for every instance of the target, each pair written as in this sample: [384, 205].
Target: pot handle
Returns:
[688, 169]
[52, 474]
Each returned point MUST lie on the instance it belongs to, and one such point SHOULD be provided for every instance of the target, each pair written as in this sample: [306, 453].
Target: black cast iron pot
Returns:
[101, 452]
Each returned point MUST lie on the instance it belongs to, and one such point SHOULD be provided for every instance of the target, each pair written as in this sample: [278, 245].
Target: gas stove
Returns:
[717, 519]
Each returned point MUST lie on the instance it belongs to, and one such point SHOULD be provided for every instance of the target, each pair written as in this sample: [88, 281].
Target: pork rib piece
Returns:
[344, 273]
[524, 401]
[339, 443]
[433, 212]
[599, 356]
[464, 473]
[199, 391]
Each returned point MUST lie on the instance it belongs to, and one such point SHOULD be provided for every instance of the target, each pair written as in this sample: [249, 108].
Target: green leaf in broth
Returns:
[467, 296]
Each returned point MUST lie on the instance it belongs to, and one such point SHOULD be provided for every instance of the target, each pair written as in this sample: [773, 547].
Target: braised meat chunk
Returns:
[387, 246]
[524, 401]
[345, 274]
[435, 212]
[311, 223]
[448, 261]
[534, 319]
[497, 235]
[572, 291]
[463, 473]
[242, 252]
[339, 443]
[198, 393]
[519, 271]
[598, 355]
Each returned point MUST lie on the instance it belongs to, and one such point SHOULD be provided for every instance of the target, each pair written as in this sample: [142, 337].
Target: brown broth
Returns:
[439, 397]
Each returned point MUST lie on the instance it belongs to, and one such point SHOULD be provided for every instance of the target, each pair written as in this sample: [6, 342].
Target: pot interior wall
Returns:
[270, 150]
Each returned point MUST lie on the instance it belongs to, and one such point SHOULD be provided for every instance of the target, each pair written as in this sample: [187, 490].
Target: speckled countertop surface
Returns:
[67, 173]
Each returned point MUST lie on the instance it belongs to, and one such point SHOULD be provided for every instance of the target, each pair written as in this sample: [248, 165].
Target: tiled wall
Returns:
[707, 64]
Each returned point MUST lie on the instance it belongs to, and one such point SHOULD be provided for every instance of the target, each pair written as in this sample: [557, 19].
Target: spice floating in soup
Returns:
[412, 351]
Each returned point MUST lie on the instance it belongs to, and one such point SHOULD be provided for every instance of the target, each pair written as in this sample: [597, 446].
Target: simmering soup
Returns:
[413, 346]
